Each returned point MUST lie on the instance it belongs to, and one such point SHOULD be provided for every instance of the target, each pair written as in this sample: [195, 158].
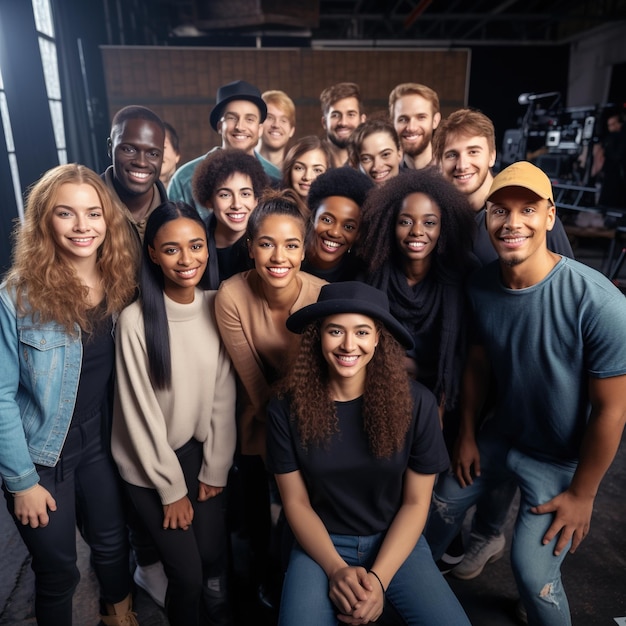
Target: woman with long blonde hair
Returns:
[74, 270]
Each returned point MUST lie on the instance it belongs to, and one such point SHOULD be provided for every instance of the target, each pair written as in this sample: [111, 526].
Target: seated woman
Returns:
[417, 242]
[355, 447]
[375, 150]
[306, 160]
[174, 418]
[335, 202]
[229, 183]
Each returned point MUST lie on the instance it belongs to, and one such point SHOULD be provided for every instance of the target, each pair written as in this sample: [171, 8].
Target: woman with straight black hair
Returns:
[174, 417]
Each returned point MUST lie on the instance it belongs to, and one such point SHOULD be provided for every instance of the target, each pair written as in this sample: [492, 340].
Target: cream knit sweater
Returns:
[150, 424]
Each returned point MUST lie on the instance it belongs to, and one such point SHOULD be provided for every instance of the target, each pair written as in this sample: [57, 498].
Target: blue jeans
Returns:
[418, 591]
[537, 570]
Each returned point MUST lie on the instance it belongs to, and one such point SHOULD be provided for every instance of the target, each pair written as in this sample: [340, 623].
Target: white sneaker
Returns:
[480, 551]
[152, 579]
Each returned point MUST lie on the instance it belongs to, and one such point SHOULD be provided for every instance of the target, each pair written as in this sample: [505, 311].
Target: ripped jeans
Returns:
[537, 570]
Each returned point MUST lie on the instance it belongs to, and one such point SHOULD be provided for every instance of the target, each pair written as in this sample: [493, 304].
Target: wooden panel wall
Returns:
[180, 84]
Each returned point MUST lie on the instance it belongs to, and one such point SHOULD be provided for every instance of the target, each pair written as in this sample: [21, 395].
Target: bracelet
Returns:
[375, 575]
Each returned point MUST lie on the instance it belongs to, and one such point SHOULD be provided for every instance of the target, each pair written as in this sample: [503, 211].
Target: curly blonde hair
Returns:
[45, 283]
[387, 403]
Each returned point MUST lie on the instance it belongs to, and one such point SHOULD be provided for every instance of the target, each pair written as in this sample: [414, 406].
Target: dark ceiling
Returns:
[385, 22]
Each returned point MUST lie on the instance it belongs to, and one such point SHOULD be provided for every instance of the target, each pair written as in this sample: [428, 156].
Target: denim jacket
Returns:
[41, 366]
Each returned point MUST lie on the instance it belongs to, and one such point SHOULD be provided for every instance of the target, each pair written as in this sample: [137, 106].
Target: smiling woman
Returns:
[174, 425]
[417, 249]
[355, 448]
[74, 271]
[251, 310]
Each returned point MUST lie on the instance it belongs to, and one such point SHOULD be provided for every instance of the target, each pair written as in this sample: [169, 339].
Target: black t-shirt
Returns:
[353, 492]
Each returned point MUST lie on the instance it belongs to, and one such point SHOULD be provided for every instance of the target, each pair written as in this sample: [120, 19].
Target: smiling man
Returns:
[464, 147]
[414, 111]
[279, 126]
[238, 117]
[342, 112]
[136, 149]
[549, 332]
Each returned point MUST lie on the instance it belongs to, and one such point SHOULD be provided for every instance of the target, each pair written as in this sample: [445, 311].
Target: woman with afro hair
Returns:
[335, 202]
[417, 241]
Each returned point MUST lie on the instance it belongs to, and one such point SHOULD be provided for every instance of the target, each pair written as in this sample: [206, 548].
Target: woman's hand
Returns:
[31, 506]
[359, 590]
[178, 514]
[207, 491]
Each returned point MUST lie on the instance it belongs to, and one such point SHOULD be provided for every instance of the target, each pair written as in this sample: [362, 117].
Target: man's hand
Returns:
[466, 460]
[572, 518]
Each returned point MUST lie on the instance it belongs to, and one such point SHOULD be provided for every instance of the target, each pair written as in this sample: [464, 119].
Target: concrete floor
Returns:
[594, 577]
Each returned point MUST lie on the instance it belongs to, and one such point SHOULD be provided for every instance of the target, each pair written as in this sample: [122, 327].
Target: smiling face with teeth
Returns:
[418, 227]
[517, 222]
[415, 121]
[240, 125]
[77, 223]
[180, 250]
[277, 128]
[336, 226]
[278, 250]
[349, 342]
[232, 203]
[137, 151]
[379, 157]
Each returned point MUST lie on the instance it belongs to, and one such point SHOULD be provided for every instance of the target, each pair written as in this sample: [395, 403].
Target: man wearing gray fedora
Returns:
[237, 116]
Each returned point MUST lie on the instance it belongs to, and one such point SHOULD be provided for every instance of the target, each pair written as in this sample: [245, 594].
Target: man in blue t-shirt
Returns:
[551, 332]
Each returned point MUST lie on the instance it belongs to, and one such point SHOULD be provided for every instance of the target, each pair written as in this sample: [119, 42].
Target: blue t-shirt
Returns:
[544, 343]
[353, 492]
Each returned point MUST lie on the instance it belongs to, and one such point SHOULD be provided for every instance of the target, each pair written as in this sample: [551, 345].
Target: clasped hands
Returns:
[357, 595]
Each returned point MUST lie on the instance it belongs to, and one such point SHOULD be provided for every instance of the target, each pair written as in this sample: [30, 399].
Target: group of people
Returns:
[373, 328]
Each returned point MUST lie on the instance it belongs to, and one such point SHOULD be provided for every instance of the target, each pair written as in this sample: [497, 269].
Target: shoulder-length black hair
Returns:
[152, 286]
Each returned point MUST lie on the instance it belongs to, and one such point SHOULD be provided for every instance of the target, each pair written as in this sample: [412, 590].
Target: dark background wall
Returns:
[180, 84]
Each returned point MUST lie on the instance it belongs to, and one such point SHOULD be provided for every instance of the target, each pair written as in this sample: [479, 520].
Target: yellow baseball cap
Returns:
[523, 174]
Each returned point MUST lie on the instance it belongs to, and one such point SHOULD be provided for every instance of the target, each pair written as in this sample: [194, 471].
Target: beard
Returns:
[342, 144]
[416, 150]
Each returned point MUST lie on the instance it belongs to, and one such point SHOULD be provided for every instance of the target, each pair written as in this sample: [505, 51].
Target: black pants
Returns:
[189, 556]
[87, 490]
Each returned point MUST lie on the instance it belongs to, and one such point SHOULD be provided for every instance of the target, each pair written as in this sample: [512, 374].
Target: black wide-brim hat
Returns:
[237, 90]
[350, 297]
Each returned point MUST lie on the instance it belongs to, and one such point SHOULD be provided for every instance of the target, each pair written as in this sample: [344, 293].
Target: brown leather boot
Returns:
[120, 613]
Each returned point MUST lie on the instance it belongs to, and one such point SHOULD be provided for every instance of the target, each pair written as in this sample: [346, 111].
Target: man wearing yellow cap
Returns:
[551, 332]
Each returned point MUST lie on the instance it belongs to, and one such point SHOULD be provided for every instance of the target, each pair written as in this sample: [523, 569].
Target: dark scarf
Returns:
[435, 305]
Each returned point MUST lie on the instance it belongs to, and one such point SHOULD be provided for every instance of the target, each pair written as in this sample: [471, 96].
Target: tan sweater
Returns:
[149, 425]
[259, 348]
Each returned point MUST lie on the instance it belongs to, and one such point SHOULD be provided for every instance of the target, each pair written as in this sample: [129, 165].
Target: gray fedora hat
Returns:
[237, 90]
[350, 297]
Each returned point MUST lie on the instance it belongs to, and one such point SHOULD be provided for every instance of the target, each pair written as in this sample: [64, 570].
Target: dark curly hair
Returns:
[220, 165]
[339, 181]
[387, 403]
[380, 212]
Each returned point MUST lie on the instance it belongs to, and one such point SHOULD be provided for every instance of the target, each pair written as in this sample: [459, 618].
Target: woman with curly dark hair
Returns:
[229, 184]
[417, 245]
[355, 447]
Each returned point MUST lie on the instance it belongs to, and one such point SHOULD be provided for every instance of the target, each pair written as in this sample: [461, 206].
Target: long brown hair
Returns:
[45, 283]
[387, 404]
